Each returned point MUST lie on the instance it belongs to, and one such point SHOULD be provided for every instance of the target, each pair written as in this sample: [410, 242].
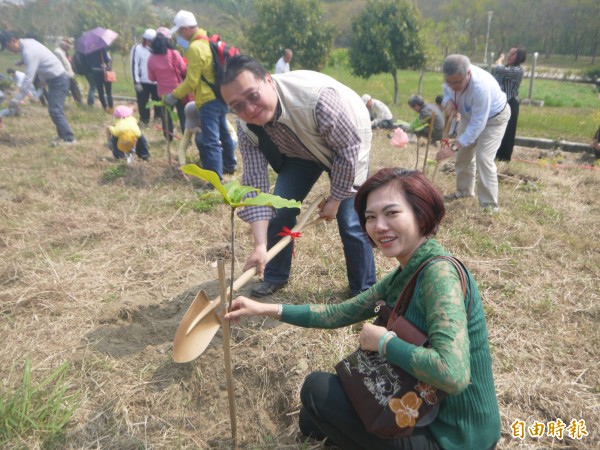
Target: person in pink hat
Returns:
[125, 135]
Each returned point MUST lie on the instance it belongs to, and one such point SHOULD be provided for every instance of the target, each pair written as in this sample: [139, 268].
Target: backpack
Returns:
[79, 64]
[222, 53]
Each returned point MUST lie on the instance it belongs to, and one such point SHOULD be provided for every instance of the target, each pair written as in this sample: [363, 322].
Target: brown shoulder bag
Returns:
[389, 401]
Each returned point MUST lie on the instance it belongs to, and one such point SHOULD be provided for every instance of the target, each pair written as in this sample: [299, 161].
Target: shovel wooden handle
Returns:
[274, 251]
[301, 224]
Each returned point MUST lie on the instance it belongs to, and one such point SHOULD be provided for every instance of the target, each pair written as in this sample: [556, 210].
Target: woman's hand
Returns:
[243, 306]
[370, 336]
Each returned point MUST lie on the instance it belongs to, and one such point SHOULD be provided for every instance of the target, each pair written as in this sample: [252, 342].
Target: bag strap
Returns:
[405, 296]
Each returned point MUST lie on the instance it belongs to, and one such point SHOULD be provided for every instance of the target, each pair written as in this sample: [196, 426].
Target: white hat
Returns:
[149, 34]
[183, 19]
[366, 98]
[192, 116]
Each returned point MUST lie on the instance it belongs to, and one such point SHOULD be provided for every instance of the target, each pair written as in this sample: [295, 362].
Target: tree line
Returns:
[384, 37]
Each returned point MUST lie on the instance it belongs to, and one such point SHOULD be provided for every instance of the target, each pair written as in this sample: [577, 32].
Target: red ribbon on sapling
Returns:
[292, 234]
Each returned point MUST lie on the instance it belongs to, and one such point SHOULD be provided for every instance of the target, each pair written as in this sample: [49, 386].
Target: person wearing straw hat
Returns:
[144, 87]
[301, 123]
[40, 61]
[61, 52]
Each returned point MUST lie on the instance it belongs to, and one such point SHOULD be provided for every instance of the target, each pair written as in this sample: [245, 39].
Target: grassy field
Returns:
[100, 260]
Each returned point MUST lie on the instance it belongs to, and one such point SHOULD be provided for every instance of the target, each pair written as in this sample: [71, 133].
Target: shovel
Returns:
[201, 321]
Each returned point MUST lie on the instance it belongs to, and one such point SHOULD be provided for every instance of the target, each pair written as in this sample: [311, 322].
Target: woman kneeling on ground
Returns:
[400, 210]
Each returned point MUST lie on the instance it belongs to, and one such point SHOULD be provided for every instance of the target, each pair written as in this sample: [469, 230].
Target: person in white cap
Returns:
[381, 116]
[144, 88]
[217, 149]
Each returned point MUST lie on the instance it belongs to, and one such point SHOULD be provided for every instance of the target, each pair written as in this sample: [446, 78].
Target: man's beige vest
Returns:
[298, 93]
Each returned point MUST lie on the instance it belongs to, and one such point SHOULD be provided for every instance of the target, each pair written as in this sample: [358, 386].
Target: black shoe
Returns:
[265, 289]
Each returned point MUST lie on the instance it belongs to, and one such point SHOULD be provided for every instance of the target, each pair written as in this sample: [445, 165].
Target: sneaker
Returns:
[58, 141]
[265, 289]
[490, 209]
[454, 196]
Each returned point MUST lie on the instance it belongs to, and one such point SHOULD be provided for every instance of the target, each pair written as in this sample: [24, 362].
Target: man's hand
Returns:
[258, 259]
[445, 152]
[170, 99]
[138, 87]
[328, 209]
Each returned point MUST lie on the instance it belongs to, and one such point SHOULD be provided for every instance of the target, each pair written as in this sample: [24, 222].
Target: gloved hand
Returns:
[170, 99]
[138, 87]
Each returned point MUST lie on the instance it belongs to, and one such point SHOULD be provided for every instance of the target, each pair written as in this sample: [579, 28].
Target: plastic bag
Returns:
[399, 138]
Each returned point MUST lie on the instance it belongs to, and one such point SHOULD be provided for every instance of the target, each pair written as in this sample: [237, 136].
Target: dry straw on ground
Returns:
[98, 272]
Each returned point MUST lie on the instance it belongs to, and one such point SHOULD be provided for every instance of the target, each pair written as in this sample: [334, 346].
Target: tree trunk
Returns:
[395, 75]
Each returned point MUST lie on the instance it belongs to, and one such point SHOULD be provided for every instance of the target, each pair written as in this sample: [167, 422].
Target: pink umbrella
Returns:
[93, 40]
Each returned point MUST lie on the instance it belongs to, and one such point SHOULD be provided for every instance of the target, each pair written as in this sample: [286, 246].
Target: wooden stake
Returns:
[227, 350]
[428, 141]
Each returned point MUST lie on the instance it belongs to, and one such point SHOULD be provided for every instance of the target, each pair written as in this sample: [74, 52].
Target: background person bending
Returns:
[381, 116]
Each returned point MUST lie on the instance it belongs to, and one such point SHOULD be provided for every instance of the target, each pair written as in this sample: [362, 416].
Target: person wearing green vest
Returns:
[400, 210]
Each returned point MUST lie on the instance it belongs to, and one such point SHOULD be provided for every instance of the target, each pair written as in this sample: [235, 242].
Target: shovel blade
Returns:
[193, 334]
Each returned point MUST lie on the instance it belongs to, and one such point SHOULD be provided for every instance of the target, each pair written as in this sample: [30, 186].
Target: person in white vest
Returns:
[301, 123]
[144, 88]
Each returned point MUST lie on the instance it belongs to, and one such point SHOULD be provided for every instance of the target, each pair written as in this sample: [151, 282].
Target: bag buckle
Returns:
[379, 304]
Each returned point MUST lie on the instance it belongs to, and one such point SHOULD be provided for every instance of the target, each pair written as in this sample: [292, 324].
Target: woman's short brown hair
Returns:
[425, 200]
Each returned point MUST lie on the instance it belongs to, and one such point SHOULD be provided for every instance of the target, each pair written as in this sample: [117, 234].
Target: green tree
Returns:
[294, 24]
[385, 38]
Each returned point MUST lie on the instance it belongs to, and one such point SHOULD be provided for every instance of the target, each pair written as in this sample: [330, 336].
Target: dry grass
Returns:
[99, 274]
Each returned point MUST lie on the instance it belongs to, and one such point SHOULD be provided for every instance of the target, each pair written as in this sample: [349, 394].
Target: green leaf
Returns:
[418, 124]
[173, 114]
[233, 193]
[237, 192]
[207, 175]
[263, 199]
[152, 103]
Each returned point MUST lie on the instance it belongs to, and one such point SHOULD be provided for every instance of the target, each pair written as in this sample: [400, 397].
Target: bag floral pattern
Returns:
[378, 378]
[381, 381]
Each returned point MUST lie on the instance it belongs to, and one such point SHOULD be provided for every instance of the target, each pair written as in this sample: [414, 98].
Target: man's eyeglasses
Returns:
[454, 83]
[251, 99]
